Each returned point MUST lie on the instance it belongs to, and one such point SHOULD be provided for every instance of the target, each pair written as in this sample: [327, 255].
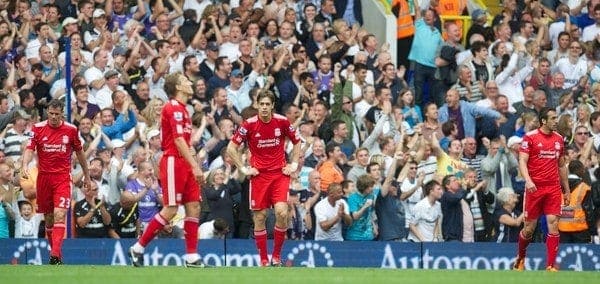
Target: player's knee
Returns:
[281, 214]
[527, 232]
[259, 217]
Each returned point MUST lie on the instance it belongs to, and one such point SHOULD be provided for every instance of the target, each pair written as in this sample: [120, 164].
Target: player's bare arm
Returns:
[185, 152]
[293, 166]
[84, 166]
[563, 172]
[234, 154]
[523, 159]
[27, 156]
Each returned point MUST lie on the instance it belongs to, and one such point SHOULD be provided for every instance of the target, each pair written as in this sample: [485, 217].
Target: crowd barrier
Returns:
[392, 255]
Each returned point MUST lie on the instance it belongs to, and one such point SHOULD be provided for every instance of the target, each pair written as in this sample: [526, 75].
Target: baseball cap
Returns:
[68, 21]
[212, 46]
[152, 133]
[98, 13]
[117, 143]
[477, 13]
[513, 140]
[236, 73]
[110, 73]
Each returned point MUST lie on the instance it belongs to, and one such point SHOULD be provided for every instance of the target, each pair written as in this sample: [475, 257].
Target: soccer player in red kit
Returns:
[55, 141]
[543, 165]
[268, 170]
[179, 174]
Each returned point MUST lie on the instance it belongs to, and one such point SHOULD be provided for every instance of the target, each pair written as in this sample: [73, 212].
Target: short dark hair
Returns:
[336, 123]
[266, 94]
[594, 116]
[428, 187]
[219, 61]
[330, 148]
[56, 103]
[304, 76]
[370, 165]
[543, 114]
[187, 60]
[78, 88]
[221, 225]
[446, 180]
[448, 127]
[360, 66]
[478, 46]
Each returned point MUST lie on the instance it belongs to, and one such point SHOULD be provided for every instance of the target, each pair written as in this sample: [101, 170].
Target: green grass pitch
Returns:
[82, 274]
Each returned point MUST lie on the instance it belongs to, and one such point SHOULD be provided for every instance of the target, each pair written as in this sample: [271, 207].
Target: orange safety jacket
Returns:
[405, 26]
[572, 217]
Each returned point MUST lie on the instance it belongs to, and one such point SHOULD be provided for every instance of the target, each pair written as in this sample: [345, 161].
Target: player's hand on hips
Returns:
[198, 174]
[24, 172]
[566, 198]
[290, 169]
[530, 186]
[249, 171]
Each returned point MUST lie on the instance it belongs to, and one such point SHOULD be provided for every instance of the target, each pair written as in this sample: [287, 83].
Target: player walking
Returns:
[55, 141]
[181, 187]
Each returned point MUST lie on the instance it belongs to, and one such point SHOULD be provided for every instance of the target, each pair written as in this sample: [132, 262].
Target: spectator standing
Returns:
[427, 40]
[330, 213]
[361, 206]
[453, 223]
[426, 221]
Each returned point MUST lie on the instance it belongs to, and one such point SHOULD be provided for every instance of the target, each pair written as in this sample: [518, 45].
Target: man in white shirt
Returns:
[329, 214]
[214, 229]
[591, 32]
[426, 222]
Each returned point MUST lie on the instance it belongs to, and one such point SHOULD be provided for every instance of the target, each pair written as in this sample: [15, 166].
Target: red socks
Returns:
[278, 242]
[190, 227]
[57, 234]
[260, 237]
[551, 249]
[49, 235]
[523, 243]
[157, 223]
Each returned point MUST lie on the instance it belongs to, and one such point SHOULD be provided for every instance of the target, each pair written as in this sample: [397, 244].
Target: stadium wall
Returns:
[392, 255]
[378, 20]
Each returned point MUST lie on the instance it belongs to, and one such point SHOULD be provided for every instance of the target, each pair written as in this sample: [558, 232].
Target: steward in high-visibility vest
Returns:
[573, 219]
[405, 26]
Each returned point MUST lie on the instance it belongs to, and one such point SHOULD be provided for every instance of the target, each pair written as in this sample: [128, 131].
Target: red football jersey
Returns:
[544, 152]
[175, 122]
[54, 146]
[266, 141]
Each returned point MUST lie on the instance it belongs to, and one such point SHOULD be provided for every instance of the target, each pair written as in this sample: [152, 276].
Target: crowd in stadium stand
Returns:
[422, 150]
